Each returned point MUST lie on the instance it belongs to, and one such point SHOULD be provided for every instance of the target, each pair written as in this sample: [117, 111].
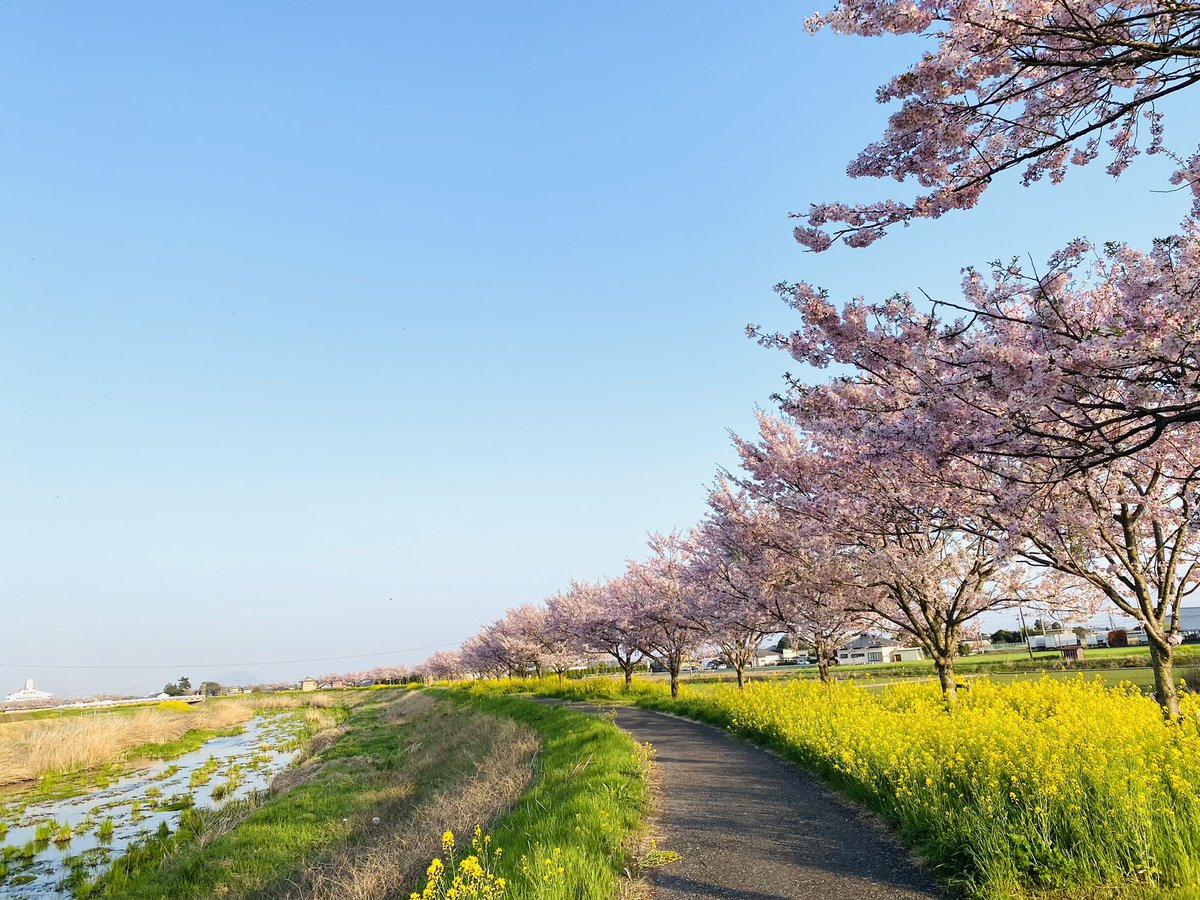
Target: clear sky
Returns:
[339, 328]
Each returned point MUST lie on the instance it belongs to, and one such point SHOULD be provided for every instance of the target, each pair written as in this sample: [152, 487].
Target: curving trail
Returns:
[751, 826]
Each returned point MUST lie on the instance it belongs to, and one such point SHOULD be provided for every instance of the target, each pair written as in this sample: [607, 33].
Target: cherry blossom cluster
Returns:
[1034, 86]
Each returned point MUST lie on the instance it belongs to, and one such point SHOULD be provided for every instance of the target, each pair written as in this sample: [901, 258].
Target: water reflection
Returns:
[45, 840]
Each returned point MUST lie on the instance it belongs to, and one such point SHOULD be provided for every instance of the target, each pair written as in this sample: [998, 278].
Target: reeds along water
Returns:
[31, 749]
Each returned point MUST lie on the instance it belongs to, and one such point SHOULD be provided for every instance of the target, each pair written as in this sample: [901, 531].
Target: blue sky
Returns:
[340, 329]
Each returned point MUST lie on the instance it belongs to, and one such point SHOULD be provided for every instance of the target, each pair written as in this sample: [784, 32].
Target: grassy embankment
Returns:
[1036, 788]
[578, 823]
[420, 766]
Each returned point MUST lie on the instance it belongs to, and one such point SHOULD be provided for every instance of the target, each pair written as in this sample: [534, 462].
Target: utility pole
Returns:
[1024, 630]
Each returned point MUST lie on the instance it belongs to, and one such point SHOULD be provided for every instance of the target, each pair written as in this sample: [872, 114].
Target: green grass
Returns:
[588, 800]
[185, 743]
[268, 846]
[203, 775]
[278, 834]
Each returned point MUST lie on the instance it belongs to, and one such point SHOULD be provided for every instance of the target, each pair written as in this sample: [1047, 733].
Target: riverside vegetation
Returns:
[1035, 788]
[108, 780]
[362, 814]
[52, 748]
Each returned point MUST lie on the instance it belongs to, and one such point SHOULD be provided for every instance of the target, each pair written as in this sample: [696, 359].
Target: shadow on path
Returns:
[750, 826]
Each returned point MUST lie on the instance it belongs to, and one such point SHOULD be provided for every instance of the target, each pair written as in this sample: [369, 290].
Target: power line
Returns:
[222, 665]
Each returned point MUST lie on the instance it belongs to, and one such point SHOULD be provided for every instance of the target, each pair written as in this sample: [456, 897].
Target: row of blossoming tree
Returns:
[1034, 438]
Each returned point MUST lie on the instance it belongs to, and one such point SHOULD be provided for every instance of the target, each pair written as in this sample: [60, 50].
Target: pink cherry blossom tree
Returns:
[910, 562]
[558, 648]
[658, 594]
[1028, 85]
[726, 601]
[1060, 412]
[513, 642]
[484, 654]
[599, 622]
[1091, 358]
[785, 578]
[445, 665]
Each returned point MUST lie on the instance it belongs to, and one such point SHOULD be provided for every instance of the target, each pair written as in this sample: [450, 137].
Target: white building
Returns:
[1057, 639]
[869, 648]
[27, 693]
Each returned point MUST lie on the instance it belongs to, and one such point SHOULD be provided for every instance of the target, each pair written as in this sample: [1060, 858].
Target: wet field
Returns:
[45, 845]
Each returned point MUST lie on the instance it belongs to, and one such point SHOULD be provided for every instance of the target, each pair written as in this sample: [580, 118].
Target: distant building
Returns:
[1056, 640]
[868, 648]
[308, 684]
[27, 693]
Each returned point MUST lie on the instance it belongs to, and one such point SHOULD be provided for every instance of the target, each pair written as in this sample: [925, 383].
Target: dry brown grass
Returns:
[31, 749]
[480, 765]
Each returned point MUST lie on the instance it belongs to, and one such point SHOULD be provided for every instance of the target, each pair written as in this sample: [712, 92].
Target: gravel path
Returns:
[751, 826]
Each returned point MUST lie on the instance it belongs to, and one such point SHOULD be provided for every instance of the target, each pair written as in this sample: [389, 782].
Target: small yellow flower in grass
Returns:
[448, 840]
[470, 867]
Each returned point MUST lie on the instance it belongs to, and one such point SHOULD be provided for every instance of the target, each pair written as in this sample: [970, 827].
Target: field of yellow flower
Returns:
[1031, 787]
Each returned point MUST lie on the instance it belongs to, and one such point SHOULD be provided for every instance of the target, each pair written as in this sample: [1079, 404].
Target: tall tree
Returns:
[727, 601]
[1064, 409]
[659, 594]
[600, 622]
[919, 570]
[784, 577]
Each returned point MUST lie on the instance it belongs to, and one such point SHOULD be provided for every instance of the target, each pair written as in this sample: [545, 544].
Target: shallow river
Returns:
[135, 804]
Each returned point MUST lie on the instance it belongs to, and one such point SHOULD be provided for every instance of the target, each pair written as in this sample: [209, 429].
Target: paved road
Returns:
[751, 826]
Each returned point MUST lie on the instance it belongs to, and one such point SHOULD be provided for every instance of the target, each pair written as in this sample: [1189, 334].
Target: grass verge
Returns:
[572, 833]
[564, 794]
[342, 823]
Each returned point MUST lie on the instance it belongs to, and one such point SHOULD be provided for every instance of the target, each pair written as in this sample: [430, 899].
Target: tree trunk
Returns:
[674, 682]
[822, 661]
[740, 675]
[627, 668]
[1162, 659]
[945, 672]
[560, 678]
